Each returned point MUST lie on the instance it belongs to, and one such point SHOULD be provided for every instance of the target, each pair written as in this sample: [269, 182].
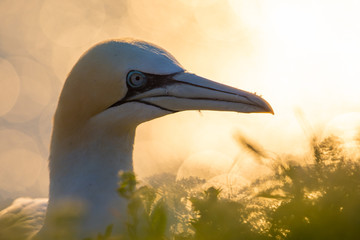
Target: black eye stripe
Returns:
[152, 81]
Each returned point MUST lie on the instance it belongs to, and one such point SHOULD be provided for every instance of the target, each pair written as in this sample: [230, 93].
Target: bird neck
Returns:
[84, 173]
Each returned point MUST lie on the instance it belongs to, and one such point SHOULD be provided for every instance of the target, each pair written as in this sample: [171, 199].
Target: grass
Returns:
[318, 200]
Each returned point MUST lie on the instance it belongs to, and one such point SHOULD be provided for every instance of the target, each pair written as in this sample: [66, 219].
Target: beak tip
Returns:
[263, 104]
[268, 110]
[271, 111]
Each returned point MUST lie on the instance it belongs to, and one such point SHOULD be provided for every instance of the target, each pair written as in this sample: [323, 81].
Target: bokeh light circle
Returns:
[158, 20]
[20, 161]
[10, 86]
[36, 90]
[228, 183]
[45, 126]
[63, 58]
[10, 138]
[20, 169]
[72, 23]
[205, 165]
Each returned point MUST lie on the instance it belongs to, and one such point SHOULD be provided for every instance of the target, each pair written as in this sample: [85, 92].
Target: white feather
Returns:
[23, 218]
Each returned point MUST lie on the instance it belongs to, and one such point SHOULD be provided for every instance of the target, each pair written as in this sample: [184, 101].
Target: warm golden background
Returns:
[302, 56]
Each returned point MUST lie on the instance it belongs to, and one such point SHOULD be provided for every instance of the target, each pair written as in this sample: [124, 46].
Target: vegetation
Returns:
[317, 200]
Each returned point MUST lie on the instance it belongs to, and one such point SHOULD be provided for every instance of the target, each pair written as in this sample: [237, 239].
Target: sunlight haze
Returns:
[303, 57]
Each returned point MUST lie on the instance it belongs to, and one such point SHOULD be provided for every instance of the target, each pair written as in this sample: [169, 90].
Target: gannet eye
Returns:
[136, 79]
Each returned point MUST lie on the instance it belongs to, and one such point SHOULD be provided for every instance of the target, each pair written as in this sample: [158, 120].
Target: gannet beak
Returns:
[187, 91]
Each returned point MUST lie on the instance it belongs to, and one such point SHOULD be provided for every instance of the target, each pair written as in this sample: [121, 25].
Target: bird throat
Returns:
[84, 180]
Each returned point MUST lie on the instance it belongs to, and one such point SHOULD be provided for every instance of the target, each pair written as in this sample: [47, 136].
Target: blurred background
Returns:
[302, 56]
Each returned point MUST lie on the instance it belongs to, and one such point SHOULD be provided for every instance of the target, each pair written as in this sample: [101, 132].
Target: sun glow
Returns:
[296, 54]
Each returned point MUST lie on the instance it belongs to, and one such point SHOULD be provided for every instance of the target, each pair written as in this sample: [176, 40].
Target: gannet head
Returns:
[122, 83]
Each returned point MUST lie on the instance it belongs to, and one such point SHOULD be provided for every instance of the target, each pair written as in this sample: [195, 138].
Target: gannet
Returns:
[115, 86]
